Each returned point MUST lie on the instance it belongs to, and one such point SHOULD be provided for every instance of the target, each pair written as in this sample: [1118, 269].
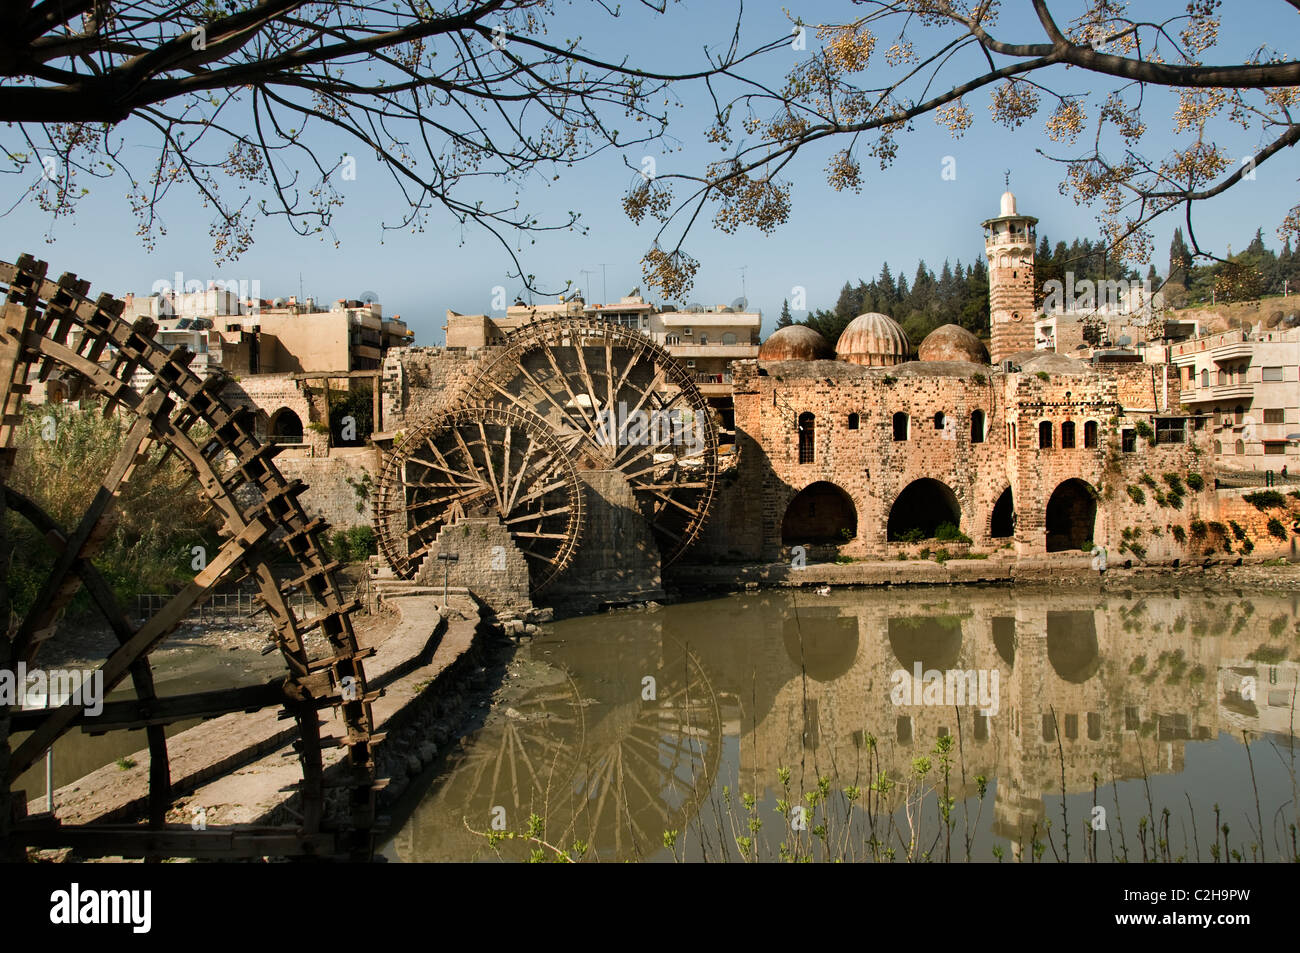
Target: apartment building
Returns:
[1248, 383]
[705, 339]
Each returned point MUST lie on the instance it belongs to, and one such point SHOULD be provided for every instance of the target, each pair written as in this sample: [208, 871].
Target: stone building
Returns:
[876, 455]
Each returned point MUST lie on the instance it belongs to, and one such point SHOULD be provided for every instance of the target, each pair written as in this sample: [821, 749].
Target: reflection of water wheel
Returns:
[572, 370]
[481, 461]
[521, 762]
[649, 765]
[54, 327]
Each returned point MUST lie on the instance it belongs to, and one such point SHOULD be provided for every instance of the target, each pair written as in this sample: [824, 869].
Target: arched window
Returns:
[938, 420]
[854, 421]
[1205, 377]
[728, 338]
[1218, 446]
[1090, 435]
[1045, 435]
[1067, 435]
[977, 426]
[1223, 377]
[807, 423]
[900, 426]
[1241, 448]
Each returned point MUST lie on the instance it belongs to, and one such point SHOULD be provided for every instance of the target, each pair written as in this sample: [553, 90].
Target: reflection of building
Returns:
[1249, 384]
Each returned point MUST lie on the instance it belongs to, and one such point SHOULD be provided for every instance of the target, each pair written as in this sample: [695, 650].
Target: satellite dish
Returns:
[369, 297]
[740, 304]
[695, 308]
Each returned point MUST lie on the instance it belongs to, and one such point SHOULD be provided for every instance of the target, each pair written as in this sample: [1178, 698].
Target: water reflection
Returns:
[628, 726]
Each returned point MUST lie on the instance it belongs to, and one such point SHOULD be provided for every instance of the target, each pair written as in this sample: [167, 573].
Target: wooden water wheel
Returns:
[616, 400]
[478, 461]
[53, 329]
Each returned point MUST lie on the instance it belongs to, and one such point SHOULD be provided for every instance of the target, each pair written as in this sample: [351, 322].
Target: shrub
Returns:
[1196, 481]
[1215, 526]
[1138, 550]
[351, 545]
[1175, 483]
[1144, 431]
[979, 378]
[913, 535]
[1180, 534]
[1198, 529]
[1276, 529]
[1161, 499]
[1147, 480]
[1042, 375]
[949, 533]
[1136, 495]
[1175, 501]
[942, 555]
[1266, 499]
[1237, 529]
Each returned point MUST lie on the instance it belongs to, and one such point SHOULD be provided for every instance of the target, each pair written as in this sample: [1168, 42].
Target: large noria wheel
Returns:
[617, 400]
[53, 327]
[479, 461]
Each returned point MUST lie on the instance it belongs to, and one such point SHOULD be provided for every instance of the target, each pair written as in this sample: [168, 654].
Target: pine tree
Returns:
[784, 321]
[1180, 259]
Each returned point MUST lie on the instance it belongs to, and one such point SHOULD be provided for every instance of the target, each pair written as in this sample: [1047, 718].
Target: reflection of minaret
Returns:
[1009, 246]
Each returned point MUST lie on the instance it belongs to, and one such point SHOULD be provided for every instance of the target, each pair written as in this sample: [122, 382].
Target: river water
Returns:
[788, 724]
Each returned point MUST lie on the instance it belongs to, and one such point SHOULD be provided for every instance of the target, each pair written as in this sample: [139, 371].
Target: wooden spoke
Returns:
[520, 474]
[558, 366]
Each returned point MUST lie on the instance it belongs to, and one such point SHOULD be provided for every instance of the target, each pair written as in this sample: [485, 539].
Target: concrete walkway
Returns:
[241, 767]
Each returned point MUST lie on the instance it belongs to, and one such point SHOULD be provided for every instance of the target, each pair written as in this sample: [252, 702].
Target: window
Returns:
[672, 339]
[728, 338]
[704, 338]
[1090, 435]
[1218, 446]
[1067, 435]
[1272, 374]
[1224, 377]
[1274, 416]
[1274, 448]
[854, 421]
[1128, 440]
[1241, 448]
[1191, 376]
[1171, 430]
[1238, 413]
[900, 426]
[1205, 378]
[1045, 435]
[938, 421]
[977, 426]
[807, 422]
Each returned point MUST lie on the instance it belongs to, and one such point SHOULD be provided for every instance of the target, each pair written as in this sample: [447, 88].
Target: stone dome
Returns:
[796, 343]
[952, 343]
[873, 340]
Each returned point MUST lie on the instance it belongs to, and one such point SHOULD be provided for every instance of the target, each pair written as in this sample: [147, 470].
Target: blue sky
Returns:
[902, 215]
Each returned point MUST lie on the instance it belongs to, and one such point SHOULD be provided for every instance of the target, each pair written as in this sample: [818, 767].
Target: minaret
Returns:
[1009, 246]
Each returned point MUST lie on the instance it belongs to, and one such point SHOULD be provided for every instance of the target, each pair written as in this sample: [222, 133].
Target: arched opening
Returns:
[938, 420]
[1072, 646]
[900, 426]
[286, 426]
[1071, 513]
[1004, 638]
[1090, 435]
[1003, 521]
[932, 641]
[1239, 414]
[820, 513]
[1045, 435]
[1067, 435]
[1205, 378]
[822, 642]
[1240, 447]
[1218, 446]
[922, 507]
[854, 421]
[807, 422]
[977, 426]
[728, 339]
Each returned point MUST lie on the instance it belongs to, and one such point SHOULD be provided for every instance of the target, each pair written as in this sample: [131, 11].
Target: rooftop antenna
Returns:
[742, 271]
[585, 272]
[604, 284]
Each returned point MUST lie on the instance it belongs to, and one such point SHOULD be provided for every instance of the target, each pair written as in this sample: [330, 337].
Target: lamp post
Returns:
[446, 559]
